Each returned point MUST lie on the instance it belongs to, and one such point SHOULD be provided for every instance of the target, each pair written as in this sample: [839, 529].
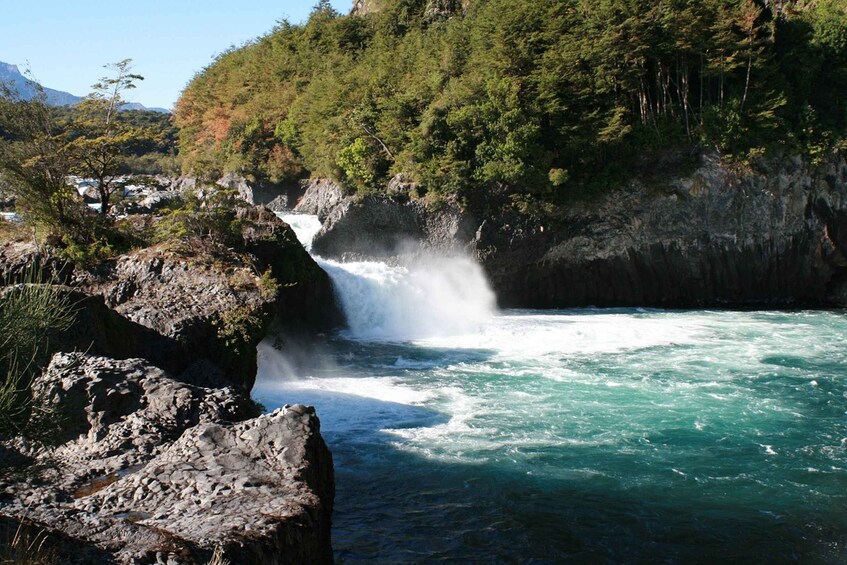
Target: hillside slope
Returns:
[521, 104]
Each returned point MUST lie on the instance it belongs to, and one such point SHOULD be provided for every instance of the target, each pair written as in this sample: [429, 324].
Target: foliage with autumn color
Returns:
[534, 100]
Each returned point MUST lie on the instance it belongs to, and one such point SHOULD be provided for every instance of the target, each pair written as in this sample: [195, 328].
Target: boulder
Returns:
[385, 226]
[25, 262]
[152, 202]
[373, 226]
[319, 198]
[253, 192]
[145, 469]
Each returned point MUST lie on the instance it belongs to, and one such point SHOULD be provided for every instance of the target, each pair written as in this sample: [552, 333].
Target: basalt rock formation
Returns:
[773, 234]
[201, 311]
[207, 304]
[141, 468]
[720, 237]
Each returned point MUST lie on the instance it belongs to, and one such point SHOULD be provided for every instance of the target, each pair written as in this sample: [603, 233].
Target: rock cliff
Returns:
[206, 303]
[383, 226]
[434, 9]
[773, 234]
[141, 468]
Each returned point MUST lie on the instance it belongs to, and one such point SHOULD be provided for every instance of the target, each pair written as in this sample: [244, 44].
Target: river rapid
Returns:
[460, 432]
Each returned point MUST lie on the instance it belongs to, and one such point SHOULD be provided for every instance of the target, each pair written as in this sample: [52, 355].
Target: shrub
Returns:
[30, 314]
[213, 218]
[237, 328]
[268, 285]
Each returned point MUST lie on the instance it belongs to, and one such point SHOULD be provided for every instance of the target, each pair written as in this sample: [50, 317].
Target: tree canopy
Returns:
[531, 99]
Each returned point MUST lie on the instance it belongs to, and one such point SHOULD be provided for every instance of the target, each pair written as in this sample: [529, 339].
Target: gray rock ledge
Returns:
[145, 469]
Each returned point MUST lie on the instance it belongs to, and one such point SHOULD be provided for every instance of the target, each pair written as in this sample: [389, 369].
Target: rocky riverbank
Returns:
[144, 445]
[142, 468]
[772, 234]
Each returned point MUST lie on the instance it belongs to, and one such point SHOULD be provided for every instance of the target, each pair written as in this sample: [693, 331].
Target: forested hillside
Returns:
[533, 100]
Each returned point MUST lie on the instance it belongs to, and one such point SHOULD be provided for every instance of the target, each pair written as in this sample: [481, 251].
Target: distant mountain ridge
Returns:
[27, 89]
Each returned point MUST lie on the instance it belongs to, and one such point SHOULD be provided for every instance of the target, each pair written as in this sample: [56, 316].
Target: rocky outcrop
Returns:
[373, 226]
[25, 262]
[203, 310]
[772, 235]
[144, 469]
[151, 203]
[305, 298]
[720, 237]
[208, 304]
[320, 197]
[381, 226]
[260, 193]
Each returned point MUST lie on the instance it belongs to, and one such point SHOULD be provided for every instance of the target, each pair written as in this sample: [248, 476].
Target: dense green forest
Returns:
[535, 100]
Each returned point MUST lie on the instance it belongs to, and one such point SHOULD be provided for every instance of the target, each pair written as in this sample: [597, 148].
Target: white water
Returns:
[305, 227]
[436, 296]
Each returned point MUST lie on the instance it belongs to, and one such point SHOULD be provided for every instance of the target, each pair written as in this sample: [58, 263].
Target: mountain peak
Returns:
[27, 89]
[7, 68]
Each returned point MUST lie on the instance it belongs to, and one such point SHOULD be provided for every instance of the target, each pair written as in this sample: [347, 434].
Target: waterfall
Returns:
[433, 296]
[305, 227]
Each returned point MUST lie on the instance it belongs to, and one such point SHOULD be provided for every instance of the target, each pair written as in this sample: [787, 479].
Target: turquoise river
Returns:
[462, 433]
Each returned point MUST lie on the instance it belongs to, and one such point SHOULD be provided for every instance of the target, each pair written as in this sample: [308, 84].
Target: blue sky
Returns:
[65, 43]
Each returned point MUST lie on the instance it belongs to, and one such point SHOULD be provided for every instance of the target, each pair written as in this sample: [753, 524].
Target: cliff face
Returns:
[774, 235]
[434, 8]
[209, 304]
[716, 238]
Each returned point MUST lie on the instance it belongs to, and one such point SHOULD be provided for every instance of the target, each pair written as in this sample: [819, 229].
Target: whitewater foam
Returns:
[434, 297]
[305, 226]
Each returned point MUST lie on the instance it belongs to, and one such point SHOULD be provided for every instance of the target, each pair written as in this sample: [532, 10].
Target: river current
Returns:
[460, 432]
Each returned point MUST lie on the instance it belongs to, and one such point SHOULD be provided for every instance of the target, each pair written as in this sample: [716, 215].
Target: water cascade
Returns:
[433, 296]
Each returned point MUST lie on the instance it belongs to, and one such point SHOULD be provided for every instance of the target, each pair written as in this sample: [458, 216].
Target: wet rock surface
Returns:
[146, 469]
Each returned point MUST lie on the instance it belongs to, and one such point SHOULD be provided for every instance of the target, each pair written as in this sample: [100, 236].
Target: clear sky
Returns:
[65, 43]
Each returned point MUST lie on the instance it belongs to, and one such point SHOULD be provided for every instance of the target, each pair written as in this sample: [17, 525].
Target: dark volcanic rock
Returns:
[305, 297]
[208, 303]
[380, 226]
[198, 305]
[373, 226]
[146, 469]
[259, 193]
[722, 236]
